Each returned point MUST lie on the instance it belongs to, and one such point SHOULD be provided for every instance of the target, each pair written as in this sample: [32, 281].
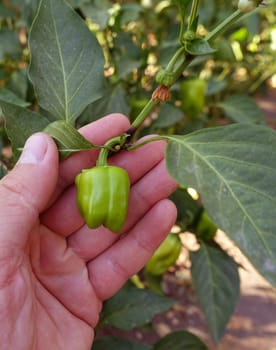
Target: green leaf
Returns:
[182, 5]
[207, 10]
[199, 47]
[7, 95]
[67, 138]
[6, 12]
[180, 340]
[98, 12]
[113, 101]
[18, 83]
[3, 171]
[168, 115]
[20, 123]
[133, 307]
[234, 169]
[242, 109]
[9, 44]
[126, 65]
[128, 55]
[188, 210]
[130, 13]
[153, 282]
[215, 86]
[194, 24]
[66, 61]
[216, 280]
[77, 3]
[115, 343]
[27, 9]
[224, 51]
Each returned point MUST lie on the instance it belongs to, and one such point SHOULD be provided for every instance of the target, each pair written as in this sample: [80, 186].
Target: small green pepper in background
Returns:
[192, 93]
[205, 229]
[102, 196]
[165, 255]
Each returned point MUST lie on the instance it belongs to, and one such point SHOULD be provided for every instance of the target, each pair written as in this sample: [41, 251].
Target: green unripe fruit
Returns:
[206, 229]
[192, 93]
[165, 255]
[102, 196]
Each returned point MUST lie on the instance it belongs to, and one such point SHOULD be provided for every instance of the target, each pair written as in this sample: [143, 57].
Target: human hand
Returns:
[54, 271]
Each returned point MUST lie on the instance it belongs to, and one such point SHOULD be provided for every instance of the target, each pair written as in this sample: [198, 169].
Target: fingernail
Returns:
[34, 150]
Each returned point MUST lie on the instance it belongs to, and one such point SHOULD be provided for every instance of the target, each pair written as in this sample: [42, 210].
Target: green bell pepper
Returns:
[102, 196]
[205, 229]
[165, 255]
[192, 93]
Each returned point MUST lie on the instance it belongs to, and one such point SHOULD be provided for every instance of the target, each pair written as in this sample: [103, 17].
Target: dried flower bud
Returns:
[161, 93]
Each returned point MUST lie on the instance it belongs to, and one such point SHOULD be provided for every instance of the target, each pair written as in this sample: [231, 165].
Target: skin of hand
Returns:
[54, 271]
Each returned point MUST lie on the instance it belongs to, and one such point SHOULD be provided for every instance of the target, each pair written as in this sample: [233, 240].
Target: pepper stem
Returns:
[143, 143]
[113, 145]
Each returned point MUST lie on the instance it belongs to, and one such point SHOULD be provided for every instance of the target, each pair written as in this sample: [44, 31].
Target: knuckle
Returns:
[118, 269]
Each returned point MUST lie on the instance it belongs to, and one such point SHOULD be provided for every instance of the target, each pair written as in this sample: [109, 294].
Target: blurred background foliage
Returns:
[138, 38]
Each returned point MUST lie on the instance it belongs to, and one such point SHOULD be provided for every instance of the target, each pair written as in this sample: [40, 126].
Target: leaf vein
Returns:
[233, 194]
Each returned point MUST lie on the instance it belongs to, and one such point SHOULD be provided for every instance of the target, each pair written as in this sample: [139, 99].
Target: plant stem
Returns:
[143, 114]
[224, 25]
[181, 32]
[174, 59]
[181, 51]
[152, 139]
[114, 144]
[193, 14]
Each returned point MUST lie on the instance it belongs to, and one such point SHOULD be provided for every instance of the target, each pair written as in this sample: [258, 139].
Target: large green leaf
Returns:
[216, 281]
[114, 343]
[133, 307]
[242, 109]
[234, 170]
[66, 61]
[21, 123]
[180, 340]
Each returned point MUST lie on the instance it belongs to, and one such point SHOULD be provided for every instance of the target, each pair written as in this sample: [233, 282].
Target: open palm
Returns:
[54, 271]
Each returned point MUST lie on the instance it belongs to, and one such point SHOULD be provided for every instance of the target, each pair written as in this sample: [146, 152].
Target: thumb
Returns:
[27, 189]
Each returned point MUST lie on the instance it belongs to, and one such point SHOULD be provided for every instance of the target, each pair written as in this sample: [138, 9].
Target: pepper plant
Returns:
[79, 71]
